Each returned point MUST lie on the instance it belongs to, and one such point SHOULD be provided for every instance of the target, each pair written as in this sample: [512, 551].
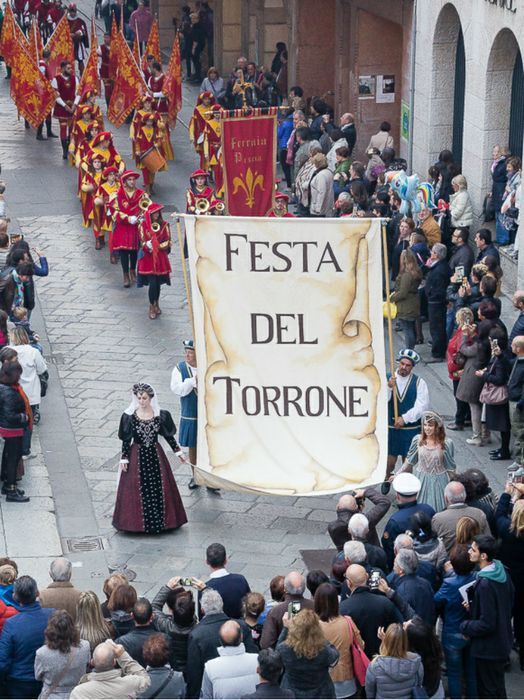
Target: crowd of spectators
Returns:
[438, 607]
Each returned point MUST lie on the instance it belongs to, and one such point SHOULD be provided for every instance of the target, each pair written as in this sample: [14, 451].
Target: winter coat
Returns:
[6, 611]
[128, 680]
[462, 256]
[518, 328]
[370, 610]
[499, 178]
[284, 130]
[12, 408]
[22, 635]
[179, 636]
[418, 592]
[391, 677]
[448, 601]
[437, 283]
[307, 678]
[512, 547]
[321, 188]
[50, 667]
[232, 674]
[61, 595]
[470, 385]
[33, 365]
[461, 209]
[406, 296]
[491, 610]
[175, 688]
[431, 230]
[349, 132]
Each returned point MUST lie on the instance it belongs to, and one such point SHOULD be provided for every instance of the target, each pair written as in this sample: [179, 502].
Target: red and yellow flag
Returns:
[129, 84]
[31, 91]
[90, 79]
[35, 41]
[60, 44]
[11, 36]
[152, 46]
[173, 82]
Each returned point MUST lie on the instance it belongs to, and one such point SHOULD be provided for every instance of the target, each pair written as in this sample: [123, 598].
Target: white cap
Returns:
[406, 484]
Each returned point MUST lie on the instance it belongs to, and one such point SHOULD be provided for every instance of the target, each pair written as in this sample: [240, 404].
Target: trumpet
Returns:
[144, 202]
[155, 227]
[201, 206]
[220, 207]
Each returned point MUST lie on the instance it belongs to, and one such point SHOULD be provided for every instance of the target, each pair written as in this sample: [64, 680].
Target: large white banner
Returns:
[290, 350]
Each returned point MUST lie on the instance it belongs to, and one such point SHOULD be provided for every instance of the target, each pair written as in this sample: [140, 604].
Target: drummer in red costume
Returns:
[280, 208]
[92, 178]
[43, 67]
[125, 207]
[153, 267]
[104, 53]
[102, 144]
[155, 85]
[79, 35]
[67, 99]
[103, 221]
[201, 114]
[198, 190]
[212, 148]
[138, 118]
[149, 136]
[81, 123]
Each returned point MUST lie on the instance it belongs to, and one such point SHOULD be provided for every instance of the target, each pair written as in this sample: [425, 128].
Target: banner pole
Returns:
[186, 277]
[389, 321]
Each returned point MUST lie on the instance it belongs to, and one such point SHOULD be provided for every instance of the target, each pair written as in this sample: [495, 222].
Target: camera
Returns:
[186, 581]
[374, 580]
[293, 608]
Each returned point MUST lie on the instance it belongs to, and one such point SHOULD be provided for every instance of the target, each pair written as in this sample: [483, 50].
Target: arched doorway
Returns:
[516, 115]
[504, 94]
[447, 85]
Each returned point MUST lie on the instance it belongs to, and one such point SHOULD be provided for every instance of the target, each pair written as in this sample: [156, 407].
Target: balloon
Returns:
[425, 195]
[406, 187]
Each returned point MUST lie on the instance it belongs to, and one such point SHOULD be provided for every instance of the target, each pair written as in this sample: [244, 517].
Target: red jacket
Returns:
[6, 611]
[453, 347]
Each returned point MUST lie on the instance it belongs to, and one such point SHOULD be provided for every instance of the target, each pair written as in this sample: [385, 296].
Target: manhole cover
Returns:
[122, 569]
[85, 544]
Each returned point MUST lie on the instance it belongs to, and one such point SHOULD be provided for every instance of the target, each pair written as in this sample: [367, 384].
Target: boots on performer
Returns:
[98, 243]
[39, 136]
[152, 311]
[127, 283]
[65, 146]
[49, 128]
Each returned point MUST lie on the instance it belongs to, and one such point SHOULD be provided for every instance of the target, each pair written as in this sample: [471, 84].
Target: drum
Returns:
[153, 160]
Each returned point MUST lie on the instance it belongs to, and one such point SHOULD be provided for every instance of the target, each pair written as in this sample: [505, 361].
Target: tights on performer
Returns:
[154, 289]
[127, 259]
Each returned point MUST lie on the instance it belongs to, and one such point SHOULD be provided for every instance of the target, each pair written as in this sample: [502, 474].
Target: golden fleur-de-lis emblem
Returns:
[249, 185]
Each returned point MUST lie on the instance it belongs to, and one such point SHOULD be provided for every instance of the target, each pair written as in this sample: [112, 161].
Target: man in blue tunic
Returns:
[412, 400]
[184, 383]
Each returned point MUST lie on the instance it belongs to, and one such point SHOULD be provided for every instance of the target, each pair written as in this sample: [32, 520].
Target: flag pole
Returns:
[389, 320]
[186, 276]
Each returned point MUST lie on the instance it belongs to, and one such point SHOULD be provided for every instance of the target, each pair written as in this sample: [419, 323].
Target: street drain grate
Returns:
[122, 569]
[85, 544]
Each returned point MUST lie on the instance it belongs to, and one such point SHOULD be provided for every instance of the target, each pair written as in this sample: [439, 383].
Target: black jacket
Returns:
[518, 328]
[133, 642]
[12, 408]
[370, 611]
[512, 547]
[488, 250]
[489, 626]
[437, 282]
[516, 381]
[349, 132]
[499, 177]
[462, 255]
[203, 646]
[167, 429]
[179, 636]
[269, 691]
[338, 529]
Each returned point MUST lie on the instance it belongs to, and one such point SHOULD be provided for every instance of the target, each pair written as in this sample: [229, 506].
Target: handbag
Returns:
[493, 394]
[458, 359]
[389, 310]
[44, 382]
[488, 210]
[358, 656]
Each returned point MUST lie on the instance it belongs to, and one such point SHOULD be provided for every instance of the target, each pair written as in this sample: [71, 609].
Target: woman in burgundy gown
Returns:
[147, 499]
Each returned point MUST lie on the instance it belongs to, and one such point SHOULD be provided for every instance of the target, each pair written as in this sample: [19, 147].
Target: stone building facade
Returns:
[444, 73]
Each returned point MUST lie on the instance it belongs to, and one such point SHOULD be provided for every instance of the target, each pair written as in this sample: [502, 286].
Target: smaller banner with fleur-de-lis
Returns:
[249, 151]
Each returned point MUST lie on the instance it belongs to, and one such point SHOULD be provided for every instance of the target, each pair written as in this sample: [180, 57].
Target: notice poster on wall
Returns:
[366, 87]
[292, 396]
[385, 89]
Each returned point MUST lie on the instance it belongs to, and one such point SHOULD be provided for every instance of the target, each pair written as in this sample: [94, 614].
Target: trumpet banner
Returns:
[292, 395]
[249, 150]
